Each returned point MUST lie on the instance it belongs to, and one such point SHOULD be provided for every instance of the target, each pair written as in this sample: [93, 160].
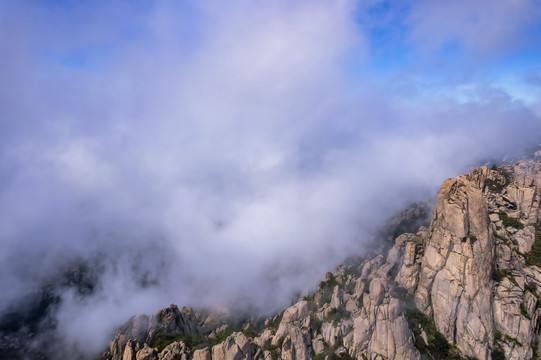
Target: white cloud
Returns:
[483, 27]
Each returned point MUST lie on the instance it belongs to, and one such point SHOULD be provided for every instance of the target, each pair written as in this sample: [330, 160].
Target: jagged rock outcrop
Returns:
[467, 286]
[202, 354]
[130, 350]
[235, 347]
[141, 328]
[136, 328]
[175, 351]
[457, 265]
[294, 332]
[173, 320]
[147, 353]
[514, 217]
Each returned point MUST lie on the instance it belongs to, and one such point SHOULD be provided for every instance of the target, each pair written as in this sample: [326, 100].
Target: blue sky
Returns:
[214, 137]
[462, 42]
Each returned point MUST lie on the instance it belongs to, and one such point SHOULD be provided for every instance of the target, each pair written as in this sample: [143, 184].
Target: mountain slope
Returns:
[466, 287]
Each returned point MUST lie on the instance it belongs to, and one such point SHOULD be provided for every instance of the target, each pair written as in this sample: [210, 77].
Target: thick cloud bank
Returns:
[229, 153]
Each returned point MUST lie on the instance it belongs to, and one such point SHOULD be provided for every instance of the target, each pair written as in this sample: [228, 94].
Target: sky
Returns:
[212, 153]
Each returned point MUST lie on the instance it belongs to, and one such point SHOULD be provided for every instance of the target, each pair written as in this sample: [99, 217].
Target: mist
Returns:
[218, 154]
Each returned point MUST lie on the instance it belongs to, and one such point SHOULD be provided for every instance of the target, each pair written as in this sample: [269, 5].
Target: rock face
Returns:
[173, 320]
[202, 354]
[146, 353]
[141, 328]
[175, 350]
[456, 269]
[235, 347]
[466, 287]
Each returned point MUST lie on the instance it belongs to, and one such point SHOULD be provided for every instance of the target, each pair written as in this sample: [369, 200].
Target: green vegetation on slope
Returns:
[336, 314]
[161, 339]
[499, 275]
[327, 288]
[534, 256]
[497, 185]
[329, 284]
[510, 221]
[436, 347]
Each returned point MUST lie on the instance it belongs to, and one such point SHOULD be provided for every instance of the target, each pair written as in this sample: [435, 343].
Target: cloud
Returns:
[207, 154]
[481, 27]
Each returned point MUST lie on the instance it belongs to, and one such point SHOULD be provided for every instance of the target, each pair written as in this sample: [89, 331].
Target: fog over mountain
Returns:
[230, 153]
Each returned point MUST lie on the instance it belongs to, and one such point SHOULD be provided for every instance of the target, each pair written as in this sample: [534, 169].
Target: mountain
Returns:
[466, 287]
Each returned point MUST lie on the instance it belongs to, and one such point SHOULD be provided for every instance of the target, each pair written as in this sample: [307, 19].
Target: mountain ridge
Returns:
[466, 287]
